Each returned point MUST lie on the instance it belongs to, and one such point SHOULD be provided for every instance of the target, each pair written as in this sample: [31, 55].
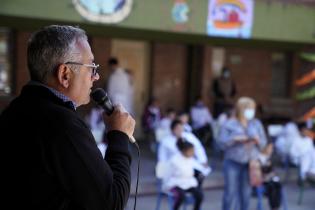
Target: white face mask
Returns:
[249, 114]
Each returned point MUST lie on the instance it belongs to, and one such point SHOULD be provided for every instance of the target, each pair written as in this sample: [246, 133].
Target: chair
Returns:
[260, 196]
[160, 171]
[302, 183]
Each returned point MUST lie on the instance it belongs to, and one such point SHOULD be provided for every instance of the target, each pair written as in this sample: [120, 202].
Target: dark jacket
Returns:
[51, 160]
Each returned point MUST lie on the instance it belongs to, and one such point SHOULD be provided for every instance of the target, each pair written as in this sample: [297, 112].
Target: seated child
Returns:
[180, 178]
[303, 153]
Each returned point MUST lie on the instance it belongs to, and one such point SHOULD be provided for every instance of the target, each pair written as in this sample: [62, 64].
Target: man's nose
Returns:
[96, 77]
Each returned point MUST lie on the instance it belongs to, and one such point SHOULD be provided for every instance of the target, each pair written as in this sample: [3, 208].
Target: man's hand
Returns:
[120, 120]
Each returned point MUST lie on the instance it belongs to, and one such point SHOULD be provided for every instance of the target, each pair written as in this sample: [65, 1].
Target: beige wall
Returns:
[135, 56]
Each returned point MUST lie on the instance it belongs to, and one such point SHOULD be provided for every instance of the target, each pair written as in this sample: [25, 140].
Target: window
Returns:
[5, 67]
[281, 75]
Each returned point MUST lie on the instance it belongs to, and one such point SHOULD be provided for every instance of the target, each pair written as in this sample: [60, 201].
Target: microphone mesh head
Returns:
[98, 95]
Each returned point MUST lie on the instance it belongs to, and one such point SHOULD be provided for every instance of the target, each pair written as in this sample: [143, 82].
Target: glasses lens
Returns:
[94, 71]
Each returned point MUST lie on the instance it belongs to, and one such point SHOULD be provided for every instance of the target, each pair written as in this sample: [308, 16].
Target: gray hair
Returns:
[50, 47]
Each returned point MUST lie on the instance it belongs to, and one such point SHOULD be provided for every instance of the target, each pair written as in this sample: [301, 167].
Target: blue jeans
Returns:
[237, 189]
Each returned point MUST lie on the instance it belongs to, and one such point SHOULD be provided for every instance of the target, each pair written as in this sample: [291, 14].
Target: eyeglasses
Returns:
[93, 66]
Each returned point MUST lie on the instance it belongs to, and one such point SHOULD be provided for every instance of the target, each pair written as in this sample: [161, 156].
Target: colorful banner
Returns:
[308, 56]
[306, 79]
[230, 18]
[309, 115]
[306, 94]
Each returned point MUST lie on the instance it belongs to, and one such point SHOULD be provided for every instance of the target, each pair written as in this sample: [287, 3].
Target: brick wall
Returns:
[169, 75]
[251, 71]
[101, 48]
[20, 73]
[302, 68]
[21, 70]
[207, 77]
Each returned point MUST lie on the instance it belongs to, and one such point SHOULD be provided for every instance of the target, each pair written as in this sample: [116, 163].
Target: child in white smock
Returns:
[180, 177]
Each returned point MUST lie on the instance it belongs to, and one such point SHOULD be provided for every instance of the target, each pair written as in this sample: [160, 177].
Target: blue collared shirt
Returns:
[58, 94]
[241, 153]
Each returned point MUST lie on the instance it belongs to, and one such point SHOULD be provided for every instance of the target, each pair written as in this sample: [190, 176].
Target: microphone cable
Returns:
[138, 170]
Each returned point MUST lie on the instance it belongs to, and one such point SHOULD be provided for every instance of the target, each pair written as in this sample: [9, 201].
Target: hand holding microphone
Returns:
[120, 120]
[116, 117]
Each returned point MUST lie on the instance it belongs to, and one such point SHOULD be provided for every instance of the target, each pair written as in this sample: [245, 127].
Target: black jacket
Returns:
[50, 159]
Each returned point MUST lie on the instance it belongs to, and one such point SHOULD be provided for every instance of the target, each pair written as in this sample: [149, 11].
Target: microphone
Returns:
[102, 99]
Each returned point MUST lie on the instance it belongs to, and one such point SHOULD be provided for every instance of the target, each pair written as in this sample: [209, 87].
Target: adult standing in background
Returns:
[224, 90]
[51, 158]
[120, 85]
[130, 100]
[241, 138]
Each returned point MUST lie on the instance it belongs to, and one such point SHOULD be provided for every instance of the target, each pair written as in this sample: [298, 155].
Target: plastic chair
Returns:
[302, 183]
[260, 196]
[189, 199]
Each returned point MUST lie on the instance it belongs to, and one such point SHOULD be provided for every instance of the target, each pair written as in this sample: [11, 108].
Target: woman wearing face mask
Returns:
[241, 138]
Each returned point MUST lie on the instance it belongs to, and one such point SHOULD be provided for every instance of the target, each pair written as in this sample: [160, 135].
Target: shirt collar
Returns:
[57, 93]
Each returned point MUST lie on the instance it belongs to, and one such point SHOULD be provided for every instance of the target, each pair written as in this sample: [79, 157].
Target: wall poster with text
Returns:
[230, 18]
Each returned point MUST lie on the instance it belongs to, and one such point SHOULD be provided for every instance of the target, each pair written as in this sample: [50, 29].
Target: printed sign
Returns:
[180, 12]
[103, 11]
[230, 18]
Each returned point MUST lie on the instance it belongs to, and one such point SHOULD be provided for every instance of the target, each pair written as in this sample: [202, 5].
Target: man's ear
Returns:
[64, 75]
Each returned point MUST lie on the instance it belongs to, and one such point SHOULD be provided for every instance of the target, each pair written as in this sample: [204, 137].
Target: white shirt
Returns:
[187, 128]
[285, 140]
[97, 125]
[168, 149]
[303, 153]
[200, 116]
[120, 89]
[179, 174]
[164, 129]
[165, 123]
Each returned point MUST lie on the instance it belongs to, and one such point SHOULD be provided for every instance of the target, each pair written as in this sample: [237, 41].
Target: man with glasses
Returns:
[52, 161]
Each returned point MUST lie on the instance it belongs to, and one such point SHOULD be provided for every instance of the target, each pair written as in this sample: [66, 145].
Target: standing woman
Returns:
[241, 138]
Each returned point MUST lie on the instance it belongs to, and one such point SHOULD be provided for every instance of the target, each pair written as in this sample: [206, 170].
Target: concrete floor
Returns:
[213, 185]
[213, 198]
